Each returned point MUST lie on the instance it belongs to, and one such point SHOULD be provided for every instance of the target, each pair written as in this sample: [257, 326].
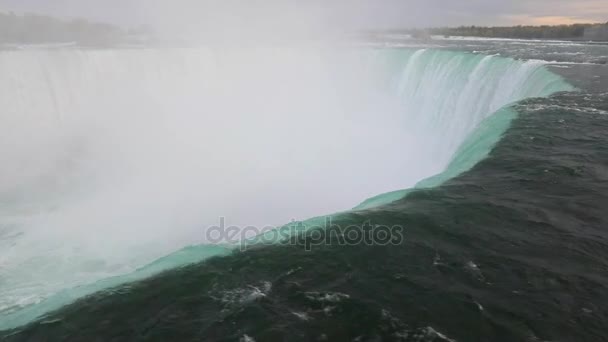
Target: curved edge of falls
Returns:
[477, 146]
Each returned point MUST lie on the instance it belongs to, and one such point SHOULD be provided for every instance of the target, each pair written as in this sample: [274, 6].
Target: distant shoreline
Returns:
[32, 29]
[574, 32]
[35, 31]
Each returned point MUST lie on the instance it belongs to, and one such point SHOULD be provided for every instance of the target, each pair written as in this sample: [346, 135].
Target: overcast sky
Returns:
[359, 13]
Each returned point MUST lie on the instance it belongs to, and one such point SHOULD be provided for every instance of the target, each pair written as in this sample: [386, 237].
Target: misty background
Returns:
[269, 15]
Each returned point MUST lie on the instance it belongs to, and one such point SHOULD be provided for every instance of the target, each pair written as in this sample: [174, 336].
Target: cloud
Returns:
[547, 20]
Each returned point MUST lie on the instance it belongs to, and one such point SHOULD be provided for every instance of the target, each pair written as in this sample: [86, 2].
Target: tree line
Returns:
[575, 31]
[40, 29]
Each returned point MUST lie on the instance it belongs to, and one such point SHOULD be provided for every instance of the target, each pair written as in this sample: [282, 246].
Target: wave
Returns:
[91, 216]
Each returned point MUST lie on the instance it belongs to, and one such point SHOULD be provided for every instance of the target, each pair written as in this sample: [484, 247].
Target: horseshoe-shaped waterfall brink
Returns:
[118, 161]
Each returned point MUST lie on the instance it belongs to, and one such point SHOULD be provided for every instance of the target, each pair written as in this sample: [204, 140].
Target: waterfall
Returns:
[115, 158]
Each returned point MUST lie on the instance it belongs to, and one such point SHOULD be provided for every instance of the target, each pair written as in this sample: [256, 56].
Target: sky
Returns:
[345, 13]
